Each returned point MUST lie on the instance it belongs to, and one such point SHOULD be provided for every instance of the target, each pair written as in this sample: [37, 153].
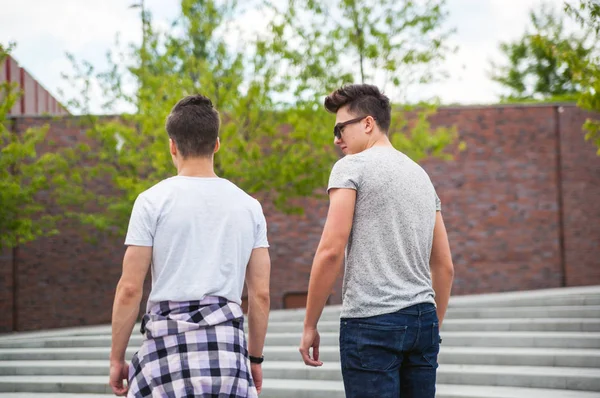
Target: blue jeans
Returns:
[391, 355]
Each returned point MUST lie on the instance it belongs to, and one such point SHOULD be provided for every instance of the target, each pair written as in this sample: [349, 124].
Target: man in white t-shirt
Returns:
[202, 236]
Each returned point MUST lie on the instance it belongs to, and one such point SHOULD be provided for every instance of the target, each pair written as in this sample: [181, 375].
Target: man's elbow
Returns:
[331, 255]
[128, 293]
[443, 267]
[259, 302]
[262, 297]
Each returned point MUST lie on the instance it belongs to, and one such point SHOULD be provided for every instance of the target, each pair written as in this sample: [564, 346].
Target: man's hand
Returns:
[119, 371]
[256, 369]
[310, 339]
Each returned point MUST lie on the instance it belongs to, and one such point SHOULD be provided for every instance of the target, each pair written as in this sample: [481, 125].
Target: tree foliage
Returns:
[276, 137]
[586, 69]
[37, 180]
[532, 70]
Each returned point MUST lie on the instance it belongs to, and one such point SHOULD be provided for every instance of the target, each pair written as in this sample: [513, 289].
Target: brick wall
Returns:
[500, 198]
[68, 279]
[294, 240]
[6, 290]
[580, 173]
[519, 203]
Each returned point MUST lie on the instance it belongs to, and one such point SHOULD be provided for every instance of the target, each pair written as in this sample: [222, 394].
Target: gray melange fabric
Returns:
[388, 252]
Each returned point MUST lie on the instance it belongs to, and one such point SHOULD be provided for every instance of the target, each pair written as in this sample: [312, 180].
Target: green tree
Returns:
[35, 186]
[586, 68]
[276, 137]
[323, 45]
[337, 41]
[39, 182]
[532, 71]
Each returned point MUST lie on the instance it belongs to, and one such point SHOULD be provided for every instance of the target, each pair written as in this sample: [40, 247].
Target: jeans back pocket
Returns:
[380, 346]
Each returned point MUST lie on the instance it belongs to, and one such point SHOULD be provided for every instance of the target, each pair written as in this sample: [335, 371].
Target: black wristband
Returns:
[257, 360]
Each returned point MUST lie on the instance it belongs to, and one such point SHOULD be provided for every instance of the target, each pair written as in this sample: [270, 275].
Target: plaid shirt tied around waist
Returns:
[192, 349]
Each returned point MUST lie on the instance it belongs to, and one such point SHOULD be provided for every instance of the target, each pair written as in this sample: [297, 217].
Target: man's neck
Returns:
[382, 140]
[196, 167]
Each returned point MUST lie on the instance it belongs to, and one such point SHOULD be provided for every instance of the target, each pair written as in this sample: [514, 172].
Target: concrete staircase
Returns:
[542, 344]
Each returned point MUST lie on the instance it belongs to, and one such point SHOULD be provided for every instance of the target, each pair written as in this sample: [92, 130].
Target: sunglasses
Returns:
[337, 129]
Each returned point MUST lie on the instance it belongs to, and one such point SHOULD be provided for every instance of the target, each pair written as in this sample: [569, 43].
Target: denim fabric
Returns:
[391, 355]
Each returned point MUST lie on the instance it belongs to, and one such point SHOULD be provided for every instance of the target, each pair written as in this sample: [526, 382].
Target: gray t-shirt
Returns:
[388, 251]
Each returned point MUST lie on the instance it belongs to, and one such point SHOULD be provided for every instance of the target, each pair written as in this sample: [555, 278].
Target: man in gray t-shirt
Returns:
[385, 220]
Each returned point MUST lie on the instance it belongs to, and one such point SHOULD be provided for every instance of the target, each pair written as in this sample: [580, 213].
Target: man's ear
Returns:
[369, 124]
[217, 145]
[172, 147]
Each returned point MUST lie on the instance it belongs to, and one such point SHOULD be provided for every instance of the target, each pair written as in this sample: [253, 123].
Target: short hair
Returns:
[362, 99]
[193, 125]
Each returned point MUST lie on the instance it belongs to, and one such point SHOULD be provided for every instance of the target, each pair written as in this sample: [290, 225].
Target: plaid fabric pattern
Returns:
[192, 349]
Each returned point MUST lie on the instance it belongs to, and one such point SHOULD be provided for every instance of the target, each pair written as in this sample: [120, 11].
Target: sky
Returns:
[45, 31]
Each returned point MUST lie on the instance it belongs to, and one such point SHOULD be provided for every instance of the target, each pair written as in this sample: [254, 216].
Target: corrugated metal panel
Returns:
[36, 100]
[29, 97]
[12, 76]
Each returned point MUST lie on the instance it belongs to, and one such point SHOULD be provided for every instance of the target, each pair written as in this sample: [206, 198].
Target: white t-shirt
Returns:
[202, 232]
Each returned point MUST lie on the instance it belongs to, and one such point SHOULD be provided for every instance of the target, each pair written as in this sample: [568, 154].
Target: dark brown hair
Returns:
[194, 126]
[362, 99]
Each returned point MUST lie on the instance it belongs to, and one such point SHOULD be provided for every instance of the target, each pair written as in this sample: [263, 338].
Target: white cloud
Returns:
[45, 30]
[481, 26]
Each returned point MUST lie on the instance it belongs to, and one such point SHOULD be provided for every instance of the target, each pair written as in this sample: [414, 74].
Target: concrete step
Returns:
[448, 355]
[556, 301]
[450, 339]
[508, 376]
[334, 389]
[587, 379]
[577, 311]
[68, 384]
[76, 331]
[450, 325]
[509, 356]
[582, 295]
[473, 325]
[320, 389]
[51, 354]
[273, 388]
[477, 339]
[468, 391]
[52, 395]
[584, 358]
[522, 339]
[522, 325]
[55, 368]
[588, 311]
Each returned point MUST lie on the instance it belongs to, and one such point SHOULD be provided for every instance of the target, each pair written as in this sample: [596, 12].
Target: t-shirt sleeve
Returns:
[260, 239]
[438, 202]
[345, 174]
[141, 224]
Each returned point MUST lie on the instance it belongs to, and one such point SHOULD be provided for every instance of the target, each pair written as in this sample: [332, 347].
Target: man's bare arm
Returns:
[125, 310]
[326, 268]
[442, 269]
[258, 274]
[128, 297]
[329, 257]
[257, 280]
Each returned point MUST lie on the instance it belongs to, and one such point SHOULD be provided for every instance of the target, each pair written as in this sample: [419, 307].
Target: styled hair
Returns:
[193, 125]
[362, 99]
